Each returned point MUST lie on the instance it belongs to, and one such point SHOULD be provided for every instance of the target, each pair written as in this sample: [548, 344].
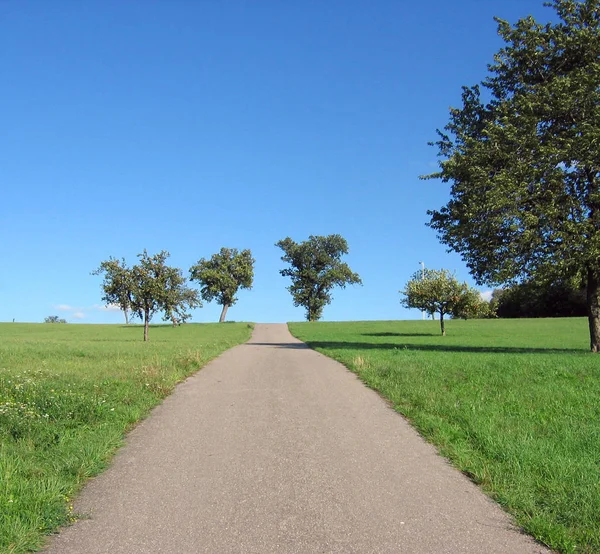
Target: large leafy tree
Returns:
[437, 291]
[223, 275]
[152, 286]
[522, 157]
[116, 284]
[315, 269]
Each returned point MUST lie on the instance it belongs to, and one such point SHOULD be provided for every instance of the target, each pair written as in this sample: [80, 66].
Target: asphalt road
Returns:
[273, 447]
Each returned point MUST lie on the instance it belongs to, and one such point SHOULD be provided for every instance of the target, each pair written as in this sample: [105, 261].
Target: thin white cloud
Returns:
[486, 295]
[78, 315]
[64, 307]
[107, 308]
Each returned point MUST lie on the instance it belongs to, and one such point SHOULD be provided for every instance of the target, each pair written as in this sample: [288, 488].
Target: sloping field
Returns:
[67, 395]
[515, 404]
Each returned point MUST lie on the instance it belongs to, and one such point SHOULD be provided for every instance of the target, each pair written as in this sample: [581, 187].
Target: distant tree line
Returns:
[540, 299]
[151, 286]
[315, 268]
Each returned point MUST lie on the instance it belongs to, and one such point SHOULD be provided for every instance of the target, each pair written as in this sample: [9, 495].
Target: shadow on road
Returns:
[294, 345]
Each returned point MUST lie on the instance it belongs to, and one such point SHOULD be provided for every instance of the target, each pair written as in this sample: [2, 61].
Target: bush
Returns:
[54, 319]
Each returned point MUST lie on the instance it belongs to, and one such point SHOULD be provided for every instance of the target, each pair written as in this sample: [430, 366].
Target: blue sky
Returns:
[190, 125]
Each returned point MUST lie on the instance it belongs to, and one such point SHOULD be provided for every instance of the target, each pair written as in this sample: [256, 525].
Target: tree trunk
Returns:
[146, 324]
[443, 327]
[174, 321]
[223, 313]
[125, 311]
[593, 306]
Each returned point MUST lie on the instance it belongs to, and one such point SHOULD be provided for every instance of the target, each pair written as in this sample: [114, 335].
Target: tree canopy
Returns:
[116, 284]
[316, 267]
[151, 286]
[522, 158]
[540, 299]
[437, 291]
[223, 275]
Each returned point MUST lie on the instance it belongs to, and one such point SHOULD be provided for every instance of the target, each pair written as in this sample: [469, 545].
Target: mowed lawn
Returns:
[515, 404]
[68, 393]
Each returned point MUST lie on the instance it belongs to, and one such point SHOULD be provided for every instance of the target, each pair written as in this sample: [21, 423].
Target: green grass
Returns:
[68, 393]
[515, 404]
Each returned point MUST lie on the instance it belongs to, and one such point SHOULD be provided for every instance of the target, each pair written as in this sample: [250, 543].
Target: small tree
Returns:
[149, 287]
[223, 275]
[474, 307]
[157, 287]
[315, 268]
[54, 319]
[438, 291]
[116, 284]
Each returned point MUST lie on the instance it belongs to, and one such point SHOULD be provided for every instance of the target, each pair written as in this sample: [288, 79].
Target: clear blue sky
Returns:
[191, 125]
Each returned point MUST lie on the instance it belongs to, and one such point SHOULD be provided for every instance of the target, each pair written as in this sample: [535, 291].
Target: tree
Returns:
[116, 284]
[524, 167]
[152, 286]
[54, 319]
[475, 307]
[315, 268]
[541, 299]
[178, 302]
[158, 287]
[437, 291]
[223, 275]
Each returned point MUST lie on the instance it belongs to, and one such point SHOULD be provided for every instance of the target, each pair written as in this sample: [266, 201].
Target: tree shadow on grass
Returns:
[440, 348]
[138, 326]
[399, 334]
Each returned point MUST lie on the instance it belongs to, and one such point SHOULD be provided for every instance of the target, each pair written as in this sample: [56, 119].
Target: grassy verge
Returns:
[68, 393]
[515, 404]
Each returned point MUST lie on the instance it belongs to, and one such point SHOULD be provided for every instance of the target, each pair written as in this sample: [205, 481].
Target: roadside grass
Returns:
[68, 393]
[514, 404]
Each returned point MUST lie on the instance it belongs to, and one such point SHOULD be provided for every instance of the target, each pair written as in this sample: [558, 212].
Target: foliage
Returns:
[177, 302]
[116, 284]
[68, 393]
[157, 287]
[524, 167]
[512, 403]
[539, 299]
[437, 291]
[315, 268]
[223, 275]
[151, 286]
[476, 307]
[54, 319]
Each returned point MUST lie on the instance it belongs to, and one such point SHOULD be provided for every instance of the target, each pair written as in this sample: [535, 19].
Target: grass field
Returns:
[515, 404]
[67, 395]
